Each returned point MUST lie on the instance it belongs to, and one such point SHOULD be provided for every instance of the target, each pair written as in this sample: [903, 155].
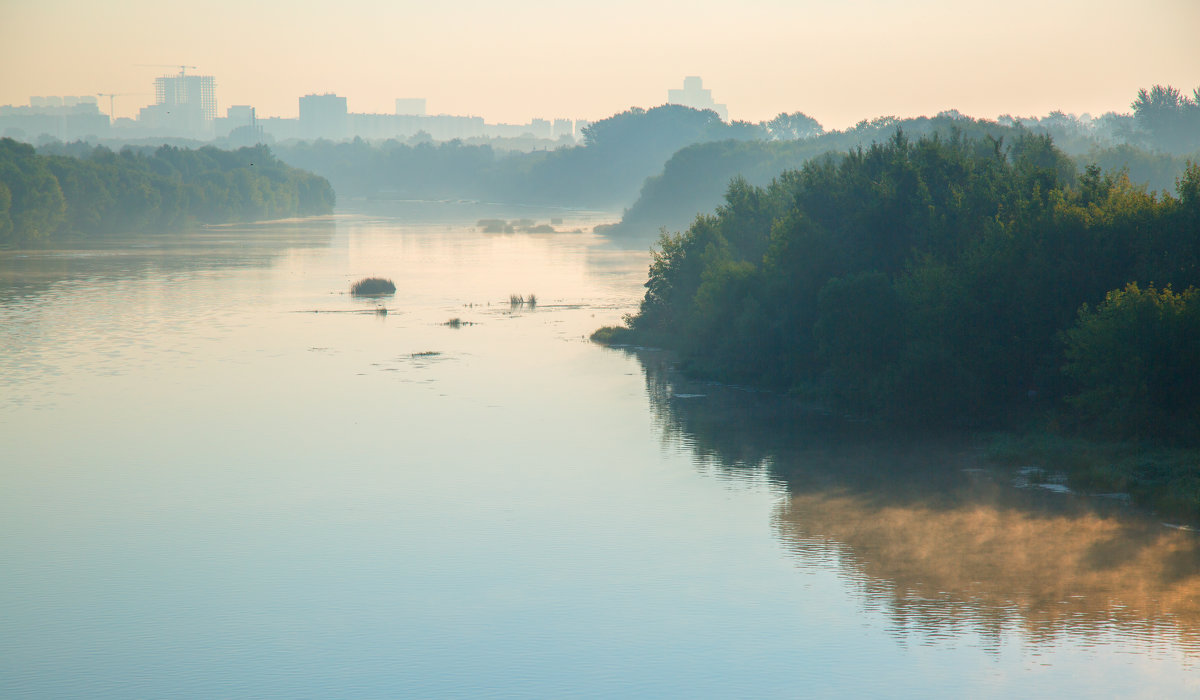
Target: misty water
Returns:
[223, 476]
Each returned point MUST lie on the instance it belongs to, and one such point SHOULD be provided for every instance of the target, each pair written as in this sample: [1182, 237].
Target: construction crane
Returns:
[182, 68]
[110, 96]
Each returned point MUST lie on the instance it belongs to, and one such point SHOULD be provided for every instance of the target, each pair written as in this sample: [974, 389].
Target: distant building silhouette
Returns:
[410, 106]
[183, 105]
[323, 116]
[695, 95]
[239, 126]
[54, 117]
[563, 129]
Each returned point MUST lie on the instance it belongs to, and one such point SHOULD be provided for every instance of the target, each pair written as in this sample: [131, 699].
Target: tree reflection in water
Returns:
[925, 531]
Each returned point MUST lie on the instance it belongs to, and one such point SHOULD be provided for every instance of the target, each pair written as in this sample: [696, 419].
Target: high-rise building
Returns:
[323, 117]
[540, 128]
[184, 105]
[197, 92]
[410, 106]
[696, 96]
[563, 128]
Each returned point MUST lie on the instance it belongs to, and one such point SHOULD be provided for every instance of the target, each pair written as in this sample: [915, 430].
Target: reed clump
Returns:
[372, 287]
[518, 300]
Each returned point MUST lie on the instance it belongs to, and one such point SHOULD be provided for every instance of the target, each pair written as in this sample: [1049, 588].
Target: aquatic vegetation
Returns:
[372, 286]
[426, 353]
[613, 335]
[516, 300]
[514, 226]
[458, 323]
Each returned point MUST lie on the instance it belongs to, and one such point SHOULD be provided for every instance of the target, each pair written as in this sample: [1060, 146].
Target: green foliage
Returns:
[1134, 359]
[926, 280]
[859, 333]
[35, 204]
[611, 335]
[6, 224]
[56, 195]
[796, 125]
[1168, 119]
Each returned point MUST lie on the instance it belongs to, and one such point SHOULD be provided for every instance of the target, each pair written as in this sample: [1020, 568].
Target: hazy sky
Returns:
[837, 60]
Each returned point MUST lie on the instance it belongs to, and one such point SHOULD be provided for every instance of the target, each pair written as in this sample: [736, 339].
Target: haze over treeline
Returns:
[663, 166]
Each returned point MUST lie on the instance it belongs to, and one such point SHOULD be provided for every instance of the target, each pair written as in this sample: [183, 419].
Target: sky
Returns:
[839, 61]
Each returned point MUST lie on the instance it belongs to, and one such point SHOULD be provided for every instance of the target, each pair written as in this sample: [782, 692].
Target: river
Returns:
[223, 476]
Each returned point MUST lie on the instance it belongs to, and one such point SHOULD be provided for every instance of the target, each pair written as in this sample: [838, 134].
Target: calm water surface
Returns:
[221, 476]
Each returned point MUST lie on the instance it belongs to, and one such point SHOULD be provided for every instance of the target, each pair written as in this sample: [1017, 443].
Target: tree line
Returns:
[617, 154]
[947, 280]
[694, 178]
[75, 190]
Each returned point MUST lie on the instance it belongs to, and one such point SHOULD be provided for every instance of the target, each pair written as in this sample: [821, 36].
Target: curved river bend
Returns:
[221, 476]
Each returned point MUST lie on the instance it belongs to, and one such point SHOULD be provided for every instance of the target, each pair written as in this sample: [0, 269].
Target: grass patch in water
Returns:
[612, 335]
[372, 287]
[517, 300]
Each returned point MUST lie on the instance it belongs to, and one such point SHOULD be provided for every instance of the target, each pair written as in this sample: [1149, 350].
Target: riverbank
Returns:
[1159, 478]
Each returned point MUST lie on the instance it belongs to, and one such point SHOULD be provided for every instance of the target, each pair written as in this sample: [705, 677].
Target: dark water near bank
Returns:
[221, 476]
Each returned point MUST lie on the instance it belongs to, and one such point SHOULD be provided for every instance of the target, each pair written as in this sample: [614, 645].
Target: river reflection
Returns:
[926, 532]
[28, 273]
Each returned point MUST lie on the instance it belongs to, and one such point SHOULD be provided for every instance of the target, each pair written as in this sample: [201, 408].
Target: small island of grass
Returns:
[372, 287]
[613, 335]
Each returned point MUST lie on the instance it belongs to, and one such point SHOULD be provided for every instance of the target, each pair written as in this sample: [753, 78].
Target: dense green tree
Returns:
[1169, 119]
[6, 224]
[1133, 358]
[927, 280]
[37, 205]
[796, 125]
[79, 191]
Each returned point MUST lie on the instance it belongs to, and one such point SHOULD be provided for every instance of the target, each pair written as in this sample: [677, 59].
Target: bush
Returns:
[1134, 360]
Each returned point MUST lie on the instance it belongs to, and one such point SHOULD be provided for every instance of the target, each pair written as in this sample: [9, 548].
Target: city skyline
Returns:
[837, 62]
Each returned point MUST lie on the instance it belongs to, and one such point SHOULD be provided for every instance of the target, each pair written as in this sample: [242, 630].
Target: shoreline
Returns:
[1160, 480]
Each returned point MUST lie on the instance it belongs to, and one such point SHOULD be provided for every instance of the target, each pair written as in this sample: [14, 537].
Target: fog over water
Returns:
[222, 475]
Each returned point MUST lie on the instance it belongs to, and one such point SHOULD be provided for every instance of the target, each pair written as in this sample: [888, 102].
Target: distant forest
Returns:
[71, 191]
[946, 281]
[618, 153]
[661, 165]
[1153, 145]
